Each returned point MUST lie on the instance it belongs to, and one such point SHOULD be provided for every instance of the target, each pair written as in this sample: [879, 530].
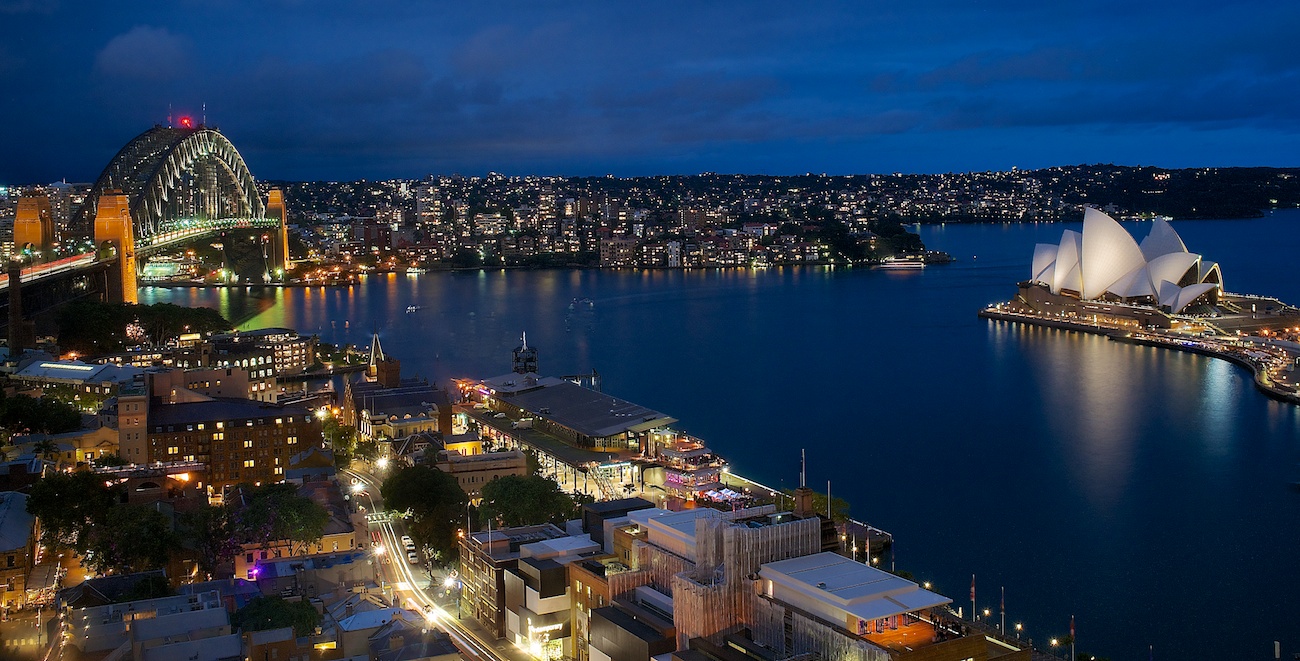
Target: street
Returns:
[410, 587]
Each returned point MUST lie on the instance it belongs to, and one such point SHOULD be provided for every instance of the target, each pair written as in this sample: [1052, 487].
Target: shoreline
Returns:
[1158, 340]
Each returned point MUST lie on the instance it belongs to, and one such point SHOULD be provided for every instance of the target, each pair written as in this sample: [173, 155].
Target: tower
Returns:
[113, 227]
[34, 224]
[275, 209]
[525, 358]
[382, 369]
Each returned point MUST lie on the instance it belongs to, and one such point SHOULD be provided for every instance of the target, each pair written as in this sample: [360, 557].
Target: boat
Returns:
[902, 263]
[411, 308]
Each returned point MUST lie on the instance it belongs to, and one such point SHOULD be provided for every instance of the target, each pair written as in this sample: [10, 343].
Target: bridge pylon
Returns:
[113, 227]
[275, 209]
[33, 225]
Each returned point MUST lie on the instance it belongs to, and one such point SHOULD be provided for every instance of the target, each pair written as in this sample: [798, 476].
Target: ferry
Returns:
[909, 262]
[411, 308]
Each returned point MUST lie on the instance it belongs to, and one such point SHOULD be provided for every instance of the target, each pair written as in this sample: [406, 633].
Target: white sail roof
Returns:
[1066, 273]
[1174, 266]
[1168, 293]
[1044, 262]
[1210, 273]
[1109, 253]
[1136, 283]
[1189, 294]
[1162, 240]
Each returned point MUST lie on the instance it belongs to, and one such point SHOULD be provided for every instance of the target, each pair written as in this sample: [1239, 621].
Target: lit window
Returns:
[173, 450]
[248, 443]
[250, 463]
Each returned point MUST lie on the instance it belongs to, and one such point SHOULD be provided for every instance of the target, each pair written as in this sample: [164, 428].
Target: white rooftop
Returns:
[560, 546]
[839, 589]
[375, 618]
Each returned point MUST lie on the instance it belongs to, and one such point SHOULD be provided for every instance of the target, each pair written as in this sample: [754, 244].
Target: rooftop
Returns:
[15, 523]
[75, 370]
[219, 409]
[586, 411]
[836, 587]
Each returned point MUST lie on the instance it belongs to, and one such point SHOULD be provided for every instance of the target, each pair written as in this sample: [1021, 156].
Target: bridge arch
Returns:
[175, 174]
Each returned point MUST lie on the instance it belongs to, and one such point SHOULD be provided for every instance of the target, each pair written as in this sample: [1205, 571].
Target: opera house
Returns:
[1104, 271]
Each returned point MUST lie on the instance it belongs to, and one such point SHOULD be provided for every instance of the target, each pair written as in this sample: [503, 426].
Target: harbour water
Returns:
[1146, 492]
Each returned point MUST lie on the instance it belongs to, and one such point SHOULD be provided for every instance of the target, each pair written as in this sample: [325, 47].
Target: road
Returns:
[407, 586]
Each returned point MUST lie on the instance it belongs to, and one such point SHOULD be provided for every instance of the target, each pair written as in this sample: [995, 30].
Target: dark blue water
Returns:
[1145, 492]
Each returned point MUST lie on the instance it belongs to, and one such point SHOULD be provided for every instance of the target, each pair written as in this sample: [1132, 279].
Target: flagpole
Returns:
[973, 614]
[1004, 610]
[1072, 656]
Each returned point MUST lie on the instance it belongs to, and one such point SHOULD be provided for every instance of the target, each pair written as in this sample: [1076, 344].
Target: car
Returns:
[412, 558]
[408, 543]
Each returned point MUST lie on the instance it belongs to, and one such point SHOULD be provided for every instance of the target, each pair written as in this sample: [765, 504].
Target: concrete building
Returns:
[194, 626]
[485, 557]
[475, 470]
[838, 608]
[92, 381]
[538, 599]
[17, 549]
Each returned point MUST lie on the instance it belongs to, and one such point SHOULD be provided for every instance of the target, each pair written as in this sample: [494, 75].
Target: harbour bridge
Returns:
[168, 186]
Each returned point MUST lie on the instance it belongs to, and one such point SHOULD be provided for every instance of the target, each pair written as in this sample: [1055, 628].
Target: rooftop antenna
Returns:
[803, 468]
[205, 113]
[828, 499]
[525, 339]
[169, 115]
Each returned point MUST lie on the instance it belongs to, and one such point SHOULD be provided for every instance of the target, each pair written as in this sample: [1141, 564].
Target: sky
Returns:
[333, 90]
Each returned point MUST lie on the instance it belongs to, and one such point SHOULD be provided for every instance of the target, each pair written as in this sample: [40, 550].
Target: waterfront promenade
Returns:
[1271, 364]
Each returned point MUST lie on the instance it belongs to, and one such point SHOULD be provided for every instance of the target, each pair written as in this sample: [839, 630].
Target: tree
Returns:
[91, 327]
[111, 459]
[839, 506]
[516, 500]
[23, 414]
[69, 505]
[342, 440]
[436, 504]
[130, 538]
[149, 587]
[264, 613]
[275, 512]
[209, 532]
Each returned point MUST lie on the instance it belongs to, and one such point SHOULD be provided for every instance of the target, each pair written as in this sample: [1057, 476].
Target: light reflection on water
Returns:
[1086, 476]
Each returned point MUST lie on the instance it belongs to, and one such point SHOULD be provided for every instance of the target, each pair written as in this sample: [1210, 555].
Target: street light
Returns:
[1019, 627]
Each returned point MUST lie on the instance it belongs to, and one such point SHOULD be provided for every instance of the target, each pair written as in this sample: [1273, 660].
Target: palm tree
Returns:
[46, 448]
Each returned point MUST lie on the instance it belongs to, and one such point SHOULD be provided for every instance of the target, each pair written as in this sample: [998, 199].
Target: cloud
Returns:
[28, 6]
[145, 53]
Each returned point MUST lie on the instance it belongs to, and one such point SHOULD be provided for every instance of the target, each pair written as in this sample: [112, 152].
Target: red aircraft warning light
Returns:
[187, 122]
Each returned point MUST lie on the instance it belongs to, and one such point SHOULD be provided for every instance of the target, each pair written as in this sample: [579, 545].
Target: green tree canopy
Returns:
[264, 613]
[516, 500]
[69, 505]
[130, 538]
[209, 532]
[275, 512]
[436, 504]
[20, 414]
[93, 328]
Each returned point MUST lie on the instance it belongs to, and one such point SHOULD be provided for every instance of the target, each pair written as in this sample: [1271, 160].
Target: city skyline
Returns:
[343, 92]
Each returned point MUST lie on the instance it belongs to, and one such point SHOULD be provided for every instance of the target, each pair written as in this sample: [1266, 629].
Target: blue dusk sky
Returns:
[321, 89]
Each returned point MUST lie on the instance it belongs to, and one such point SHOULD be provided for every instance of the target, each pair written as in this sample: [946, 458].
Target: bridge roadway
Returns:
[50, 269]
[187, 231]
